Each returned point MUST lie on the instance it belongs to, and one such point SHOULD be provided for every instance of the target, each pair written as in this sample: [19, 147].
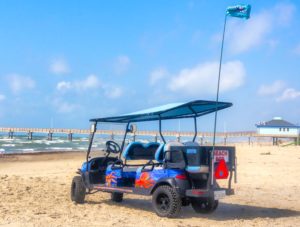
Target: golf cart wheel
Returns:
[166, 202]
[77, 190]
[204, 205]
[117, 197]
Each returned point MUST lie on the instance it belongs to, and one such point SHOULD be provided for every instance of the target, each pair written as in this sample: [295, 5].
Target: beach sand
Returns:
[35, 191]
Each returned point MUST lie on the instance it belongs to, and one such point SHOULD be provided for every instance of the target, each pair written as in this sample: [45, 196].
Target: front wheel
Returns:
[77, 190]
[204, 205]
[166, 201]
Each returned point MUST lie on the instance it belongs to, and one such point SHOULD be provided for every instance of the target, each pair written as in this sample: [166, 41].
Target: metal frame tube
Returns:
[124, 138]
[160, 133]
[91, 142]
[196, 130]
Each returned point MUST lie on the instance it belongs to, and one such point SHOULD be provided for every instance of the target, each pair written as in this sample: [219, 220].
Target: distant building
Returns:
[277, 126]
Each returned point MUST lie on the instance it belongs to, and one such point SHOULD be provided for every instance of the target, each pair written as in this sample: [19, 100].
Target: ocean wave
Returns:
[8, 145]
[60, 148]
[26, 150]
[81, 148]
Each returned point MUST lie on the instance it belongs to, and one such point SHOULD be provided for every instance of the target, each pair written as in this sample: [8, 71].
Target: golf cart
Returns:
[175, 174]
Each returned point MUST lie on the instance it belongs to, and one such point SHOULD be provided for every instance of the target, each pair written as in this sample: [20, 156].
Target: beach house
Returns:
[277, 127]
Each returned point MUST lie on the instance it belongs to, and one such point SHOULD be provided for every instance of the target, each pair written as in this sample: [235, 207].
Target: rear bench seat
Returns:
[138, 151]
[193, 154]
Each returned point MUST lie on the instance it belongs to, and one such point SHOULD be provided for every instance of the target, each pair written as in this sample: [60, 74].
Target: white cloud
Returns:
[288, 94]
[113, 92]
[122, 64]
[157, 75]
[271, 89]
[63, 86]
[91, 82]
[59, 66]
[202, 79]
[243, 35]
[63, 106]
[284, 13]
[2, 97]
[18, 83]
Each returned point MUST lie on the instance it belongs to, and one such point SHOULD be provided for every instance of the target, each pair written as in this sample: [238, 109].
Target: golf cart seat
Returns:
[140, 151]
[159, 154]
[194, 156]
[176, 156]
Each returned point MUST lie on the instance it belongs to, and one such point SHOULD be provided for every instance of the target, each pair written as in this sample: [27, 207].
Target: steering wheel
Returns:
[112, 147]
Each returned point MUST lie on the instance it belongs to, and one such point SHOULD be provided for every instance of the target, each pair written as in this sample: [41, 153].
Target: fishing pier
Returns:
[201, 136]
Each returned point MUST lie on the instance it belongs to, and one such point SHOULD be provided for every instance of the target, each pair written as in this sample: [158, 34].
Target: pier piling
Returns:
[50, 134]
[10, 135]
[112, 136]
[70, 136]
[155, 138]
[30, 135]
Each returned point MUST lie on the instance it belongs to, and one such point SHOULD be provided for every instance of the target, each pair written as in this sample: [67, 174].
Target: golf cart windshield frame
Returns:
[171, 111]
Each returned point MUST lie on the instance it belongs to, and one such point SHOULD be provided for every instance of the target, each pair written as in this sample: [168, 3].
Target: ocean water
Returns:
[21, 144]
[40, 143]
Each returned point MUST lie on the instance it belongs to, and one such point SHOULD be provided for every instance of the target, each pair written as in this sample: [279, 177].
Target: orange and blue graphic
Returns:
[144, 181]
[111, 179]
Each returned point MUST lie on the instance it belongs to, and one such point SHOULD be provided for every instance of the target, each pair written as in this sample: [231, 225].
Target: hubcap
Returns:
[163, 202]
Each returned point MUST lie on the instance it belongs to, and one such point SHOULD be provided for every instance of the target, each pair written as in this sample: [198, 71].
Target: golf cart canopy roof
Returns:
[170, 111]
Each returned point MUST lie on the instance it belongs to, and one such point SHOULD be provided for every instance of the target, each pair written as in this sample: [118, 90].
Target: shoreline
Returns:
[40, 155]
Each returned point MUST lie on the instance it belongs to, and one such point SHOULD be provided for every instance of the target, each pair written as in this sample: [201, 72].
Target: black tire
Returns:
[117, 197]
[204, 205]
[77, 190]
[166, 201]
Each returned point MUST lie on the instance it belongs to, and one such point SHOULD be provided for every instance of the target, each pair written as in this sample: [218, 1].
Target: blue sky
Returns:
[64, 62]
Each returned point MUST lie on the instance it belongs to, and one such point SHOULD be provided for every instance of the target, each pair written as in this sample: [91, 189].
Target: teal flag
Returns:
[241, 11]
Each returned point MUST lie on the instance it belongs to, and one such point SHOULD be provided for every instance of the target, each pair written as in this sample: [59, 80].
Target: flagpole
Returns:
[217, 99]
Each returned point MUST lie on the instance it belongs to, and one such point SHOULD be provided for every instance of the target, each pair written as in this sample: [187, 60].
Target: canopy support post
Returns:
[195, 123]
[160, 133]
[196, 130]
[124, 138]
[91, 141]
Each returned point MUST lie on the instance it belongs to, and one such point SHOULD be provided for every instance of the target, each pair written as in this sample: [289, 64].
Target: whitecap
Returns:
[8, 145]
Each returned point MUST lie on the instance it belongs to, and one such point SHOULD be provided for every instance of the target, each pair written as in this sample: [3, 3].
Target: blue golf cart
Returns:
[175, 174]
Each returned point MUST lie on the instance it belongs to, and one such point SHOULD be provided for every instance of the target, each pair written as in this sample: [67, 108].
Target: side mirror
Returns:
[93, 127]
[132, 128]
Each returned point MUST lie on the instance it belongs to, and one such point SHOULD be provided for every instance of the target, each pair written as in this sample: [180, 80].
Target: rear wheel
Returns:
[166, 201]
[204, 205]
[117, 197]
[77, 190]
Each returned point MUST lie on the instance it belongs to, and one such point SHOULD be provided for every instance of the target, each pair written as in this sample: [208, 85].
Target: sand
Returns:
[35, 191]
